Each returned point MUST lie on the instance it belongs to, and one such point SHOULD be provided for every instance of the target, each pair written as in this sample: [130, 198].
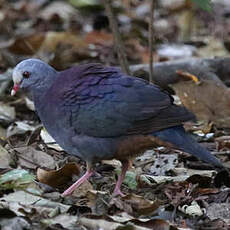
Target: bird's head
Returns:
[31, 74]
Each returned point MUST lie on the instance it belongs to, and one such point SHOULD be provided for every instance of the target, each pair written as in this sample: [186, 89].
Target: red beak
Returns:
[15, 89]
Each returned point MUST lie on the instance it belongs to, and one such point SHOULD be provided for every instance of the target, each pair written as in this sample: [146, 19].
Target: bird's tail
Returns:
[183, 141]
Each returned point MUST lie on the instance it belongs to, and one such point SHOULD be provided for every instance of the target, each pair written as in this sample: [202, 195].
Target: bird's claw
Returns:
[118, 193]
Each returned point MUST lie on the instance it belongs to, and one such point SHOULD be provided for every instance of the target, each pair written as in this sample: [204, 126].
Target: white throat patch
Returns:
[17, 77]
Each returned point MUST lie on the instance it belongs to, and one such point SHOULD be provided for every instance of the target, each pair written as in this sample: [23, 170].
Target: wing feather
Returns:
[104, 102]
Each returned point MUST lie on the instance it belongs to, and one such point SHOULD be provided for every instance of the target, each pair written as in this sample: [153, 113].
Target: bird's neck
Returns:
[40, 91]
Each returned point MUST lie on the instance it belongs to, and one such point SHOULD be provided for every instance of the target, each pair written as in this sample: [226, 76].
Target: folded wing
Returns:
[103, 102]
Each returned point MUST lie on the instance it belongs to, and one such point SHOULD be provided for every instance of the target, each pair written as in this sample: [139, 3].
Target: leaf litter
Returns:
[165, 189]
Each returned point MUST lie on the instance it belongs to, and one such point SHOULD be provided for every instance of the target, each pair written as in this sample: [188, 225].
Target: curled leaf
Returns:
[57, 178]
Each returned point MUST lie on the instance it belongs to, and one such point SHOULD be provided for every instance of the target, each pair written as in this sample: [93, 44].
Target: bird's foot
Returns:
[70, 190]
[117, 192]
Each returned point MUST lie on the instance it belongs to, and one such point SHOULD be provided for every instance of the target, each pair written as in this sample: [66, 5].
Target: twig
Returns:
[117, 37]
[151, 31]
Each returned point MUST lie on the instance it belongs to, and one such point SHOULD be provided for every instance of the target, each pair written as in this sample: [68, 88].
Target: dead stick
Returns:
[117, 37]
[151, 31]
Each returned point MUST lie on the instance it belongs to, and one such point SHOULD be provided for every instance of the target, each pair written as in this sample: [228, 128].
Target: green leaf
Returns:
[84, 3]
[16, 178]
[130, 179]
[203, 4]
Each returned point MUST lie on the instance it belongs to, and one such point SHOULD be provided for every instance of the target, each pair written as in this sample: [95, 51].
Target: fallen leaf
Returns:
[214, 224]
[27, 45]
[65, 220]
[83, 189]
[147, 155]
[222, 142]
[213, 46]
[99, 37]
[191, 172]
[7, 113]
[222, 178]
[130, 179]
[161, 179]
[219, 211]
[31, 158]
[140, 205]
[176, 51]
[99, 223]
[63, 49]
[16, 178]
[2, 133]
[18, 223]
[19, 127]
[105, 222]
[205, 191]
[122, 217]
[135, 205]
[115, 163]
[156, 224]
[163, 164]
[61, 8]
[60, 177]
[49, 141]
[21, 198]
[5, 158]
[98, 201]
[54, 39]
[84, 3]
[179, 192]
[193, 210]
[200, 180]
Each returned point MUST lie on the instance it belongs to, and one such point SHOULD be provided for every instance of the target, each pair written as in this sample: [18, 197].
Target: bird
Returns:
[96, 112]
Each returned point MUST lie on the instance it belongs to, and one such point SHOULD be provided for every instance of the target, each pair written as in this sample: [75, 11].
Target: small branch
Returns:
[216, 69]
[151, 31]
[117, 37]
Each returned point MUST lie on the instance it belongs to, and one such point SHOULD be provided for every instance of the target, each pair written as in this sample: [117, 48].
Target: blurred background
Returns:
[65, 33]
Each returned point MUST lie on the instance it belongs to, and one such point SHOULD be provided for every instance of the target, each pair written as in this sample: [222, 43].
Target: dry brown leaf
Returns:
[53, 39]
[57, 178]
[223, 142]
[99, 37]
[206, 106]
[140, 51]
[65, 48]
[136, 205]
[98, 201]
[206, 191]
[140, 205]
[83, 189]
[179, 192]
[27, 45]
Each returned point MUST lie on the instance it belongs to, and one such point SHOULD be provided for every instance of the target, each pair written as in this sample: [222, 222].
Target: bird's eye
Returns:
[26, 74]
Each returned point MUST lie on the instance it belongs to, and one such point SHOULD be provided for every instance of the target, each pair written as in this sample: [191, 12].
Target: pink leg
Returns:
[86, 176]
[117, 190]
